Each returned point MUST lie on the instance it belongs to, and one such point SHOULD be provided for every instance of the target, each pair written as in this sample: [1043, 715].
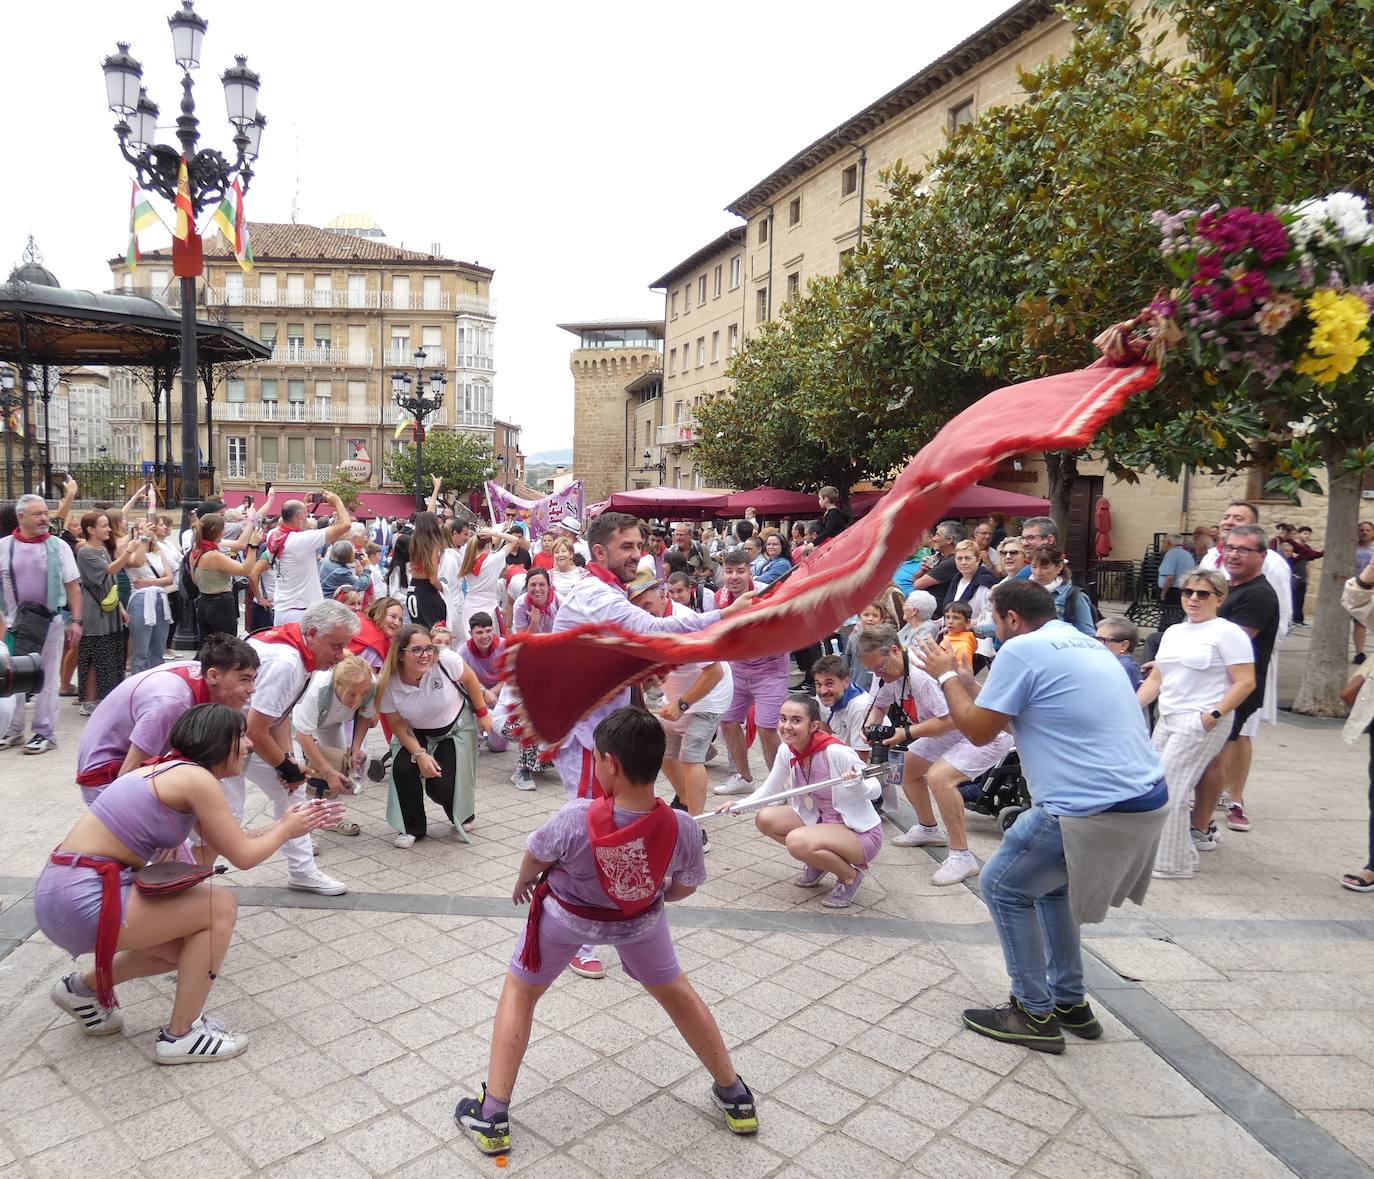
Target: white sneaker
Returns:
[94, 1019]
[206, 1042]
[403, 840]
[918, 836]
[957, 866]
[37, 744]
[317, 882]
[522, 779]
[12, 742]
[734, 784]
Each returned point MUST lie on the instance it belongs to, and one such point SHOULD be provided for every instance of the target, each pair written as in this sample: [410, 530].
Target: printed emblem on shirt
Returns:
[434, 682]
[627, 869]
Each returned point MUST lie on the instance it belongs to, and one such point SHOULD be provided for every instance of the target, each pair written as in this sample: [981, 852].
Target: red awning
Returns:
[669, 503]
[972, 501]
[386, 503]
[774, 501]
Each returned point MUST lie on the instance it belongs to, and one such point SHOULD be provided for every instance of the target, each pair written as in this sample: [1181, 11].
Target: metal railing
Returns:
[335, 354]
[268, 471]
[474, 360]
[404, 356]
[295, 472]
[235, 470]
[677, 434]
[343, 299]
[474, 305]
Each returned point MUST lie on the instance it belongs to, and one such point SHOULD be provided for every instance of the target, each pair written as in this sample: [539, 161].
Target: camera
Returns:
[877, 734]
[20, 674]
[316, 498]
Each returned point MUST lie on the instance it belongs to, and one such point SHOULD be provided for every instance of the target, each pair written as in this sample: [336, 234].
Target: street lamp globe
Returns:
[436, 386]
[144, 130]
[254, 132]
[241, 92]
[188, 35]
[122, 77]
[420, 355]
[399, 384]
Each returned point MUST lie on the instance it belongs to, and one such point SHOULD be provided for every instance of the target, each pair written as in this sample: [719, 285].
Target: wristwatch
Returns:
[682, 705]
[1215, 714]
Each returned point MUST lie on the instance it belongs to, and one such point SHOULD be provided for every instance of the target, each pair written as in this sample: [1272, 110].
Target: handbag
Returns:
[172, 876]
[29, 630]
[111, 599]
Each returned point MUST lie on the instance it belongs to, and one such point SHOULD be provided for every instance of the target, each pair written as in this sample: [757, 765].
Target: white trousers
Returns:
[300, 860]
[45, 702]
[1186, 749]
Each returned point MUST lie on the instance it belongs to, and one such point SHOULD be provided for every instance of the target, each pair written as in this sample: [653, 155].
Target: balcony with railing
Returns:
[391, 415]
[339, 355]
[269, 471]
[677, 434]
[235, 469]
[330, 299]
[295, 472]
[474, 305]
[403, 356]
[342, 412]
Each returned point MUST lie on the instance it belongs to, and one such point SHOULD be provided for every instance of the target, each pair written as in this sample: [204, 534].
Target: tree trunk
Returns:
[1328, 661]
[1061, 469]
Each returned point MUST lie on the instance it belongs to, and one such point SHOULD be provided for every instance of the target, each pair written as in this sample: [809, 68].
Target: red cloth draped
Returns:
[370, 637]
[110, 919]
[276, 539]
[194, 679]
[289, 634]
[819, 740]
[846, 574]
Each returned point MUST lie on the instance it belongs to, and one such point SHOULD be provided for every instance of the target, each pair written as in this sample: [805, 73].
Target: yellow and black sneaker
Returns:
[1078, 1019]
[1013, 1024]
[740, 1115]
[492, 1135]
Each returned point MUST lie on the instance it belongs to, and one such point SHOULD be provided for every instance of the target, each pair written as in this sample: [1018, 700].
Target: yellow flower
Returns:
[1338, 340]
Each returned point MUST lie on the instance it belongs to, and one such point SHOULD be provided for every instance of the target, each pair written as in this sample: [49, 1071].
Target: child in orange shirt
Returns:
[959, 639]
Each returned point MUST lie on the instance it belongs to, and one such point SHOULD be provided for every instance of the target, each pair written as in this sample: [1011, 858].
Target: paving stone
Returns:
[1030, 1106]
[957, 1076]
[618, 1150]
[929, 1105]
[559, 1117]
[1063, 1160]
[896, 1136]
[328, 1160]
[996, 1134]
[827, 1103]
[1206, 1144]
[345, 1104]
[947, 1156]
[274, 1135]
[52, 1125]
[1316, 1082]
[102, 1152]
[385, 1144]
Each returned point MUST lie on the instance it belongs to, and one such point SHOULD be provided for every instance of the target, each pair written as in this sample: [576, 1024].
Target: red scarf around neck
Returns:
[550, 603]
[290, 635]
[477, 653]
[276, 539]
[22, 539]
[370, 637]
[819, 741]
[631, 861]
[601, 573]
[194, 679]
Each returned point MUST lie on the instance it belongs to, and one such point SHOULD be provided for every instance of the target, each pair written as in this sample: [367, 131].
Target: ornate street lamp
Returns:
[210, 176]
[419, 404]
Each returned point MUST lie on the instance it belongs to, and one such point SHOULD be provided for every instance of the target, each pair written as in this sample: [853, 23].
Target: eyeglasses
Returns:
[1108, 639]
[420, 652]
[1012, 549]
[1239, 548]
[1200, 593]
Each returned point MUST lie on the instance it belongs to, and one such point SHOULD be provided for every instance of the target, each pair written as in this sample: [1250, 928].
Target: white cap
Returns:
[572, 524]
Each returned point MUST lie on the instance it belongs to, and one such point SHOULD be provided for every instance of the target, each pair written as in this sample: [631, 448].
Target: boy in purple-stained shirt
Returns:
[483, 653]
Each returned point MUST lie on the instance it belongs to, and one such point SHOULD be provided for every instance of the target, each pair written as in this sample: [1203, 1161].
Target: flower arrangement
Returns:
[1281, 293]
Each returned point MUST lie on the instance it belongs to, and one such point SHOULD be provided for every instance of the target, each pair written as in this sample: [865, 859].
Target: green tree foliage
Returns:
[345, 487]
[462, 460]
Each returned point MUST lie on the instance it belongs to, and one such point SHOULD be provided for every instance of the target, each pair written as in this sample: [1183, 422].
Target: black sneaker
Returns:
[1013, 1024]
[491, 1135]
[705, 842]
[1078, 1019]
[740, 1116]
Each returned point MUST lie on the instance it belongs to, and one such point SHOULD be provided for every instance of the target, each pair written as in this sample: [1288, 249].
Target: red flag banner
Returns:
[562, 676]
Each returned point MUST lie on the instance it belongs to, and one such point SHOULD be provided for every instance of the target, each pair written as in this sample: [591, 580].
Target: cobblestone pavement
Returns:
[1243, 1048]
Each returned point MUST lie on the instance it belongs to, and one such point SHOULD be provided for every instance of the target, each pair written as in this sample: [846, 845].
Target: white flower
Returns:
[1339, 219]
[1303, 428]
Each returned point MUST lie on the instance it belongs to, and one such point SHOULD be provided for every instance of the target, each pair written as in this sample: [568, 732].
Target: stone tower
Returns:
[611, 354]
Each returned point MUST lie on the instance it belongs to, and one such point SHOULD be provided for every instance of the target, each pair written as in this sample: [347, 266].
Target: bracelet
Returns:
[479, 712]
[945, 676]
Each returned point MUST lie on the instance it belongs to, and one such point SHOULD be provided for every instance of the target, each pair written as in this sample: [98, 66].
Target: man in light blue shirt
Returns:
[1176, 561]
[1084, 751]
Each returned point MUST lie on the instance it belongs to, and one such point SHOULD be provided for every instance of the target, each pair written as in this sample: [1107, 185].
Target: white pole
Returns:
[741, 808]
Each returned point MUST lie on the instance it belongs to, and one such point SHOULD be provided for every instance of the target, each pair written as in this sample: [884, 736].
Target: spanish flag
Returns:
[185, 213]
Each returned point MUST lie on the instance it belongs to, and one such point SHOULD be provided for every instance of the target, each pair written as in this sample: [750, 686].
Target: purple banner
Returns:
[540, 514]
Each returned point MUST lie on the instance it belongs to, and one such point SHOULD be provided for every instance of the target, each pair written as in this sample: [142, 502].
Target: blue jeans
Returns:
[1026, 888]
[149, 642]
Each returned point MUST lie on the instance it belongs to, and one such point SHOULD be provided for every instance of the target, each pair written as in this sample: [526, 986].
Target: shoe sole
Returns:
[829, 904]
[923, 843]
[1230, 826]
[800, 883]
[744, 1127]
[110, 1027]
[959, 880]
[1054, 1047]
[319, 889]
[585, 973]
[170, 1060]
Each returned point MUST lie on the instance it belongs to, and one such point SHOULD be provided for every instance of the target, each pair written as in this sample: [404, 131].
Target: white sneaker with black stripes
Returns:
[94, 1019]
[207, 1041]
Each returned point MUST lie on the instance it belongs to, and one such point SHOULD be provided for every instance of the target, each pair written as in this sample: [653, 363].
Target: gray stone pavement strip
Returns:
[847, 1025]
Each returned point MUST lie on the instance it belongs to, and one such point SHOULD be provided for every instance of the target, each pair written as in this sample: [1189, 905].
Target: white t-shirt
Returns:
[1192, 660]
[847, 723]
[433, 703]
[306, 718]
[298, 570]
[684, 675]
[281, 676]
[485, 586]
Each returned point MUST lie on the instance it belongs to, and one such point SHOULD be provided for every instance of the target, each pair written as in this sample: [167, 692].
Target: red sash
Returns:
[289, 634]
[370, 637]
[194, 679]
[587, 784]
[111, 918]
[631, 863]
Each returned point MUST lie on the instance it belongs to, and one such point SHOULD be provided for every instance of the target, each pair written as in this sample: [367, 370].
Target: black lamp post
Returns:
[410, 394]
[8, 404]
[661, 466]
[210, 177]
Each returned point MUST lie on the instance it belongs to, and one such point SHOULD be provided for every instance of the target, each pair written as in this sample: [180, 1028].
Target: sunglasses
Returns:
[420, 652]
[1200, 593]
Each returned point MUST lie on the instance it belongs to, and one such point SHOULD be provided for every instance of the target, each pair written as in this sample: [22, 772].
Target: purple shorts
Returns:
[648, 958]
[762, 683]
[871, 842]
[66, 905]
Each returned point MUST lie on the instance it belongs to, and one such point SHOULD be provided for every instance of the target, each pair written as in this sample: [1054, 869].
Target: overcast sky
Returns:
[579, 150]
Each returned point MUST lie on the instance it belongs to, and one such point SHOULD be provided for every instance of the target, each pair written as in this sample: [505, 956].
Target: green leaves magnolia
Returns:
[465, 461]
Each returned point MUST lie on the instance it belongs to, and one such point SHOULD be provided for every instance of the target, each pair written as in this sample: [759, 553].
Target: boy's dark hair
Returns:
[831, 665]
[635, 739]
[208, 734]
[744, 530]
[963, 608]
[481, 618]
[676, 560]
[735, 556]
[225, 653]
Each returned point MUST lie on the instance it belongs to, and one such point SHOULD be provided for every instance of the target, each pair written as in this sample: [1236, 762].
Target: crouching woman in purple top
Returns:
[85, 900]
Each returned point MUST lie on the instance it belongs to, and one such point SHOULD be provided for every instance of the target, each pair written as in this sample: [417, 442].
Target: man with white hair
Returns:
[293, 551]
[38, 579]
[288, 655]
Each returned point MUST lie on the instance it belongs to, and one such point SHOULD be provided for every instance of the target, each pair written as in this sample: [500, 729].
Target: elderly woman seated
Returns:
[339, 570]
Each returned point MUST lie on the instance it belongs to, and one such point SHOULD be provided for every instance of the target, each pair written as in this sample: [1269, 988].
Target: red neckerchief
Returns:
[202, 547]
[276, 539]
[290, 635]
[194, 679]
[22, 539]
[818, 742]
[631, 863]
[477, 653]
[601, 573]
[477, 564]
[370, 637]
[549, 606]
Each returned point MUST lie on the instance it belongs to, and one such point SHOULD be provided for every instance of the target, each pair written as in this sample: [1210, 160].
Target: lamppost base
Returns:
[185, 636]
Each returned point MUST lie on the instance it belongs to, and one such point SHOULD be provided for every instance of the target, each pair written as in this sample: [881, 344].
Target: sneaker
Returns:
[11, 742]
[705, 842]
[1204, 840]
[918, 836]
[587, 965]
[1224, 802]
[492, 1135]
[403, 840]
[842, 895]
[86, 708]
[1160, 874]
[94, 1019]
[809, 877]
[957, 866]
[522, 779]
[1013, 1024]
[345, 827]
[1236, 818]
[206, 1042]
[317, 882]
[734, 784]
[1078, 1019]
[37, 744]
[1359, 658]
[740, 1115]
